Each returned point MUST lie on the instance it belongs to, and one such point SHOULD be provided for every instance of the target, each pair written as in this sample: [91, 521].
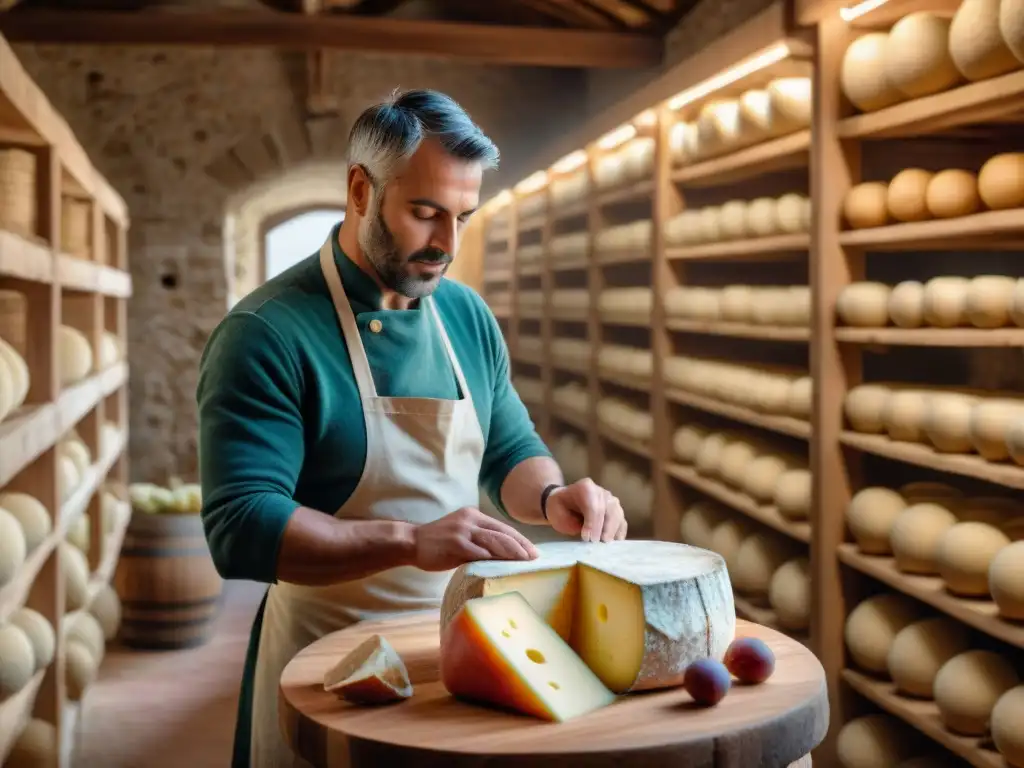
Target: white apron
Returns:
[423, 458]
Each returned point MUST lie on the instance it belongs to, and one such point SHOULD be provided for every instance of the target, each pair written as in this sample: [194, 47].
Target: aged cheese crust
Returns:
[371, 673]
[672, 604]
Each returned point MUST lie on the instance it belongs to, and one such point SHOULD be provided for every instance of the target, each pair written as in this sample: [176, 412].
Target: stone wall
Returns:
[182, 133]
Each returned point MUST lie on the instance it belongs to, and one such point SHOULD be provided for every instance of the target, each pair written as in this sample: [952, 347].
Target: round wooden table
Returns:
[771, 725]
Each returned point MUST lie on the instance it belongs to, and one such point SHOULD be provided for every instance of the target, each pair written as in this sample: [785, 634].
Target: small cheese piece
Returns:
[498, 650]
[371, 673]
[637, 612]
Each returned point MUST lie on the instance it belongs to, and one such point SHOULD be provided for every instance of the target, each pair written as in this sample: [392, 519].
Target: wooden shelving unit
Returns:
[719, 375]
[64, 287]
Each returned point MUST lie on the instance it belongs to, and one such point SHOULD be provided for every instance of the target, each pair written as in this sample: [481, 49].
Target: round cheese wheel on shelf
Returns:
[947, 422]
[919, 651]
[757, 559]
[904, 415]
[917, 58]
[864, 305]
[75, 359]
[756, 111]
[686, 442]
[1007, 735]
[727, 537]
[967, 688]
[916, 534]
[793, 494]
[866, 205]
[1001, 181]
[870, 516]
[13, 548]
[31, 515]
[17, 370]
[975, 44]
[790, 212]
[1006, 580]
[990, 418]
[872, 626]
[80, 669]
[76, 450]
[40, 634]
[989, 298]
[735, 459]
[966, 551]
[864, 77]
[86, 630]
[710, 453]
[68, 476]
[906, 304]
[710, 224]
[699, 522]
[76, 577]
[873, 741]
[708, 126]
[799, 400]
[732, 220]
[1011, 26]
[17, 660]
[731, 128]
[945, 301]
[6, 389]
[37, 745]
[789, 594]
[953, 193]
[763, 475]
[791, 101]
[864, 406]
[906, 195]
[761, 218]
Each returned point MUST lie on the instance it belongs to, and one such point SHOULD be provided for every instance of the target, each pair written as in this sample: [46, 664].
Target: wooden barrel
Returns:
[169, 588]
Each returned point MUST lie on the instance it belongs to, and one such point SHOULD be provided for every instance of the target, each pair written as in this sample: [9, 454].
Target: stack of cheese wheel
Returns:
[35, 523]
[27, 646]
[76, 574]
[532, 253]
[74, 355]
[985, 301]
[572, 245]
[632, 303]
[785, 305]
[85, 646]
[622, 360]
[789, 214]
[530, 345]
[633, 237]
[765, 389]
[789, 595]
[629, 163]
[532, 205]
[570, 298]
[530, 300]
[572, 397]
[570, 188]
[633, 490]
[572, 456]
[530, 389]
[73, 461]
[725, 125]
[571, 353]
[625, 418]
[884, 740]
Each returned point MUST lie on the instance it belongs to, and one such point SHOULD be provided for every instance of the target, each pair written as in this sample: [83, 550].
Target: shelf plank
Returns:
[924, 456]
[528, 223]
[740, 330]
[761, 248]
[569, 210]
[767, 515]
[569, 263]
[15, 712]
[25, 259]
[792, 151]
[786, 425]
[624, 256]
[626, 193]
[631, 444]
[629, 319]
[578, 419]
[580, 368]
[625, 380]
[924, 716]
[934, 337]
[939, 234]
[528, 269]
[983, 615]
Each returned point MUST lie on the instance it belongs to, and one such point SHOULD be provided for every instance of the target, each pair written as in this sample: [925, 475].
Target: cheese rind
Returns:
[497, 650]
[642, 611]
[371, 673]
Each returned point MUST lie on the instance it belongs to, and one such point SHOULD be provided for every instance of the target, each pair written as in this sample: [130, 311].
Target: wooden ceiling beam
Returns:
[573, 14]
[523, 46]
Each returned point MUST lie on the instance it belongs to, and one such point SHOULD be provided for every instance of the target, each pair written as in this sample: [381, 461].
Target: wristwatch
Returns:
[544, 498]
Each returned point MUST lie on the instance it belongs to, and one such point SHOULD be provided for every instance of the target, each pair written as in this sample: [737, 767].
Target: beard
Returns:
[381, 249]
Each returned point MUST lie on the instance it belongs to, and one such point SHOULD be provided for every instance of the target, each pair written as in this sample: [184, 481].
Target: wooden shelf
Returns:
[740, 330]
[746, 250]
[786, 425]
[933, 337]
[778, 154]
[956, 234]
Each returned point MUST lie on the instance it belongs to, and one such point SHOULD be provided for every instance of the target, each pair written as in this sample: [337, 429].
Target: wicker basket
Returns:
[18, 191]
[74, 231]
[14, 320]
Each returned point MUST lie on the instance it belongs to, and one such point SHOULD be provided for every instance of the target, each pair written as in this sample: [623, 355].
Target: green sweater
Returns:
[280, 423]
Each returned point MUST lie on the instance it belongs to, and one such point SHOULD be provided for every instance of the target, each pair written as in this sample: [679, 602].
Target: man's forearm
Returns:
[318, 549]
[520, 493]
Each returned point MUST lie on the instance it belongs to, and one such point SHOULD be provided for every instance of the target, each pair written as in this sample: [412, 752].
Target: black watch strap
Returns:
[544, 498]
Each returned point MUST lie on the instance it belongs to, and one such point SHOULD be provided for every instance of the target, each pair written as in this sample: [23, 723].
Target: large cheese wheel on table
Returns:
[636, 612]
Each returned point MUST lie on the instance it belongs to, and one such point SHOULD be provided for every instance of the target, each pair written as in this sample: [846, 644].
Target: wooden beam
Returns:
[526, 46]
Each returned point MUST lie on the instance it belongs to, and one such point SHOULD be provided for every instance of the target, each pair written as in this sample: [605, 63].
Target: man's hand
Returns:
[466, 535]
[587, 509]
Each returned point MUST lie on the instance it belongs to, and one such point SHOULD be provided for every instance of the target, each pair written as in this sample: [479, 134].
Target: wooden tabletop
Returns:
[766, 726]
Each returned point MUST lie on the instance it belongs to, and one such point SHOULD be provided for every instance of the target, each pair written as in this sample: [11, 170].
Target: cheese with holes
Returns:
[637, 612]
[497, 650]
[371, 673]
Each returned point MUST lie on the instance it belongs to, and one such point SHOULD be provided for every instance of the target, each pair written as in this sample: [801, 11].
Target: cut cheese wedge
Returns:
[371, 673]
[497, 650]
[637, 612]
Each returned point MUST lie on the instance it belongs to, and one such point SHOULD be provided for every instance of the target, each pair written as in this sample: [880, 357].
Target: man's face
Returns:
[412, 235]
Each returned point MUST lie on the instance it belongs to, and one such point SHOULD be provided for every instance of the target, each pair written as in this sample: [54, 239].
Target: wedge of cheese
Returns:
[636, 612]
[497, 650]
[371, 673]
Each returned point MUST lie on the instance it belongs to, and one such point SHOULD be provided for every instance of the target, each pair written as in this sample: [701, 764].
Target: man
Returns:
[351, 408]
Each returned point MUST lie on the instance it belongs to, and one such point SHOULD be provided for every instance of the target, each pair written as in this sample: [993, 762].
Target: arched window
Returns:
[291, 241]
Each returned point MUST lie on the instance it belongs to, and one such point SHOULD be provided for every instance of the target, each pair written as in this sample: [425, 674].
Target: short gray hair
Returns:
[389, 133]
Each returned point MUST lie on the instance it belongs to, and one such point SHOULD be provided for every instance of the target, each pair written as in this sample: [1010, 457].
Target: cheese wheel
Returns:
[919, 651]
[1006, 580]
[1001, 181]
[106, 608]
[975, 45]
[17, 660]
[13, 547]
[789, 210]
[761, 219]
[864, 305]
[727, 537]
[1007, 735]
[945, 301]
[732, 220]
[6, 389]
[74, 355]
[873, 741]
[40, 634]
[905, 196]
[87, 630]
[659, 605]
[793, 494]
[791, 102]
[800, 397]
[76, 450]
[710, 454]
[967, 688]
[36, 746]
[947, 421]
[80, 669]
[872, 626]
[758, 557]
[789, 595]
[68, 476]
[917, 58]
[735, 460]
[31, 515]
[1011, 26]
[990, 419]
[904, 415]
[1017, 308]
[989, 298]
[966, 551]
[916, 534]
[953, 193]
[686, 442]
[864, 406]
[863, 76]
[76, 577]
[870, 516]
[763, 475]
[18, 370]
[866, 205]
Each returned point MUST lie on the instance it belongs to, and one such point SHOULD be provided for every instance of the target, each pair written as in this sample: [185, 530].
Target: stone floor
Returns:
[170, 709]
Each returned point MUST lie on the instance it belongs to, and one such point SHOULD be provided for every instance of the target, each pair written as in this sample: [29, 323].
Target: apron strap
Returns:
[459, 377]
[349, 327]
